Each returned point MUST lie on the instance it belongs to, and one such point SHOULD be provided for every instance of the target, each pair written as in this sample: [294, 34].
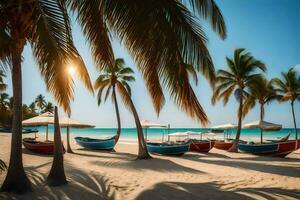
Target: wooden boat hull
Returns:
[203, 146]
[223, 145]
[39, 146]
[168, 149]
[24, 130]
[280, 149]
[97, 144]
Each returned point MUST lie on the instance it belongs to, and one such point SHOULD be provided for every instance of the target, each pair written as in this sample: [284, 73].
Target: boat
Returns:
[203, 146]
[98, 144]
[280, 149]
[44, 147]
[168, 148]
[24, 130]
[221, 144]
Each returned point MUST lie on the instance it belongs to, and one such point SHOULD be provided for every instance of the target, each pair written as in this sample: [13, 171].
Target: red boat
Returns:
[203, 146]
[46, 147]
[280, 149]
[223, 145]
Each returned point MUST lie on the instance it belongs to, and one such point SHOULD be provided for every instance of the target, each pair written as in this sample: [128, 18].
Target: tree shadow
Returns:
[212, 190]
[263, 165]
[155, 164]
[80, 185]
[104, 154]
[26, 151]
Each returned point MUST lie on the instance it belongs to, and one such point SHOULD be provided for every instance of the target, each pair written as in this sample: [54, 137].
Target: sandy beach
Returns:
[117, 175]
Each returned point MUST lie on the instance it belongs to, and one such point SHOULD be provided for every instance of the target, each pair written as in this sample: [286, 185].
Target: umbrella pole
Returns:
[146, 134]
[47, 133]
[261, 136]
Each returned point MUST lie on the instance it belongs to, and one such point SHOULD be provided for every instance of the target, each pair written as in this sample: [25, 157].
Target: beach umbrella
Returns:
[263, 126]
[147, 124]
[226, 127]
[72, 123]
[42, 120]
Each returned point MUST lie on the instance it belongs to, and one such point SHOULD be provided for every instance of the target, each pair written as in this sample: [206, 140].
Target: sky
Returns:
[269, 29]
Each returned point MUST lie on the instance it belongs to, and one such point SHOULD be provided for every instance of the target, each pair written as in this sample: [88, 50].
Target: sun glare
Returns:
[71, 70]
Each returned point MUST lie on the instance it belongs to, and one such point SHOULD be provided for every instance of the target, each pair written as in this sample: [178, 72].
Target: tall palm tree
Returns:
[48, 107]
[288, 89]
[260, 91]
[159, 35]
[2, 84]
[119, 72]
[241, 71]
[44, 24]
[40, 102]
[117, 77]
[32, 107]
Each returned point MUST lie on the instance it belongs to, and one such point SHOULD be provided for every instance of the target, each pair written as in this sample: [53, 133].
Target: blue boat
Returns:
[175, 149]
[98, 144]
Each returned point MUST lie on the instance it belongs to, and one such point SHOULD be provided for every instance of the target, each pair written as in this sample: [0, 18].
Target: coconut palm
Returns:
[108, 80]
[48, 107]
[32, 107]
[241, 71]
[288, 89]
[40, 102]
[44, 24]
[159, 35]
[2, 84]
[117, 77]
[260, 91]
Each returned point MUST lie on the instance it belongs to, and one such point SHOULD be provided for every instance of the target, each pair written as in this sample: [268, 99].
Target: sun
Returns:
[71, 70]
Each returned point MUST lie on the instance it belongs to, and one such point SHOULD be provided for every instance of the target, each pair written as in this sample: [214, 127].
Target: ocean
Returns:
[130, 135]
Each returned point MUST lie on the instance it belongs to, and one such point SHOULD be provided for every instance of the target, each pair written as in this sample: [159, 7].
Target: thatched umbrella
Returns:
[226, 127]
[72, 123]
[42, 120]
[263, 126]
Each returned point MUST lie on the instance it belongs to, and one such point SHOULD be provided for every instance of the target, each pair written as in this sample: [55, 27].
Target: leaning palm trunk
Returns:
[117, 114]
[262, 111]
[143, 151]
[69, 149]
[16, 179]
[295, 125]
[238, 134]
[57, 175]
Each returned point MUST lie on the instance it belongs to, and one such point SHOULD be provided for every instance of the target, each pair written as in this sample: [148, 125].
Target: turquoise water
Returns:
[157, 133]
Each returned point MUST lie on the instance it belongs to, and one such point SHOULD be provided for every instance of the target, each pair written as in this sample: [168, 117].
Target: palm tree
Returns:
[45, 25]
[159, 35]
[57, 175]
[241, 71]
[32, 107]
[261, 91]
[2, 84]
[117, 77]
[288, 89]
[40, 102]
[48, 107]
[108, 80]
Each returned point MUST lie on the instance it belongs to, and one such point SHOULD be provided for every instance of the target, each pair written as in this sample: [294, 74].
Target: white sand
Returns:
[117, 175]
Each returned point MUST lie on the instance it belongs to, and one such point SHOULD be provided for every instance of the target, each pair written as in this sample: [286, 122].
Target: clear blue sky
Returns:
[270, 29]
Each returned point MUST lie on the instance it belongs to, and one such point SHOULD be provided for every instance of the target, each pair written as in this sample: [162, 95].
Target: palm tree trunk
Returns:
[117, 114]
[16, 179]
[261, 119]
[69, 149]
[57, 175]
[143, 151]
[238, 133]
[295, 125]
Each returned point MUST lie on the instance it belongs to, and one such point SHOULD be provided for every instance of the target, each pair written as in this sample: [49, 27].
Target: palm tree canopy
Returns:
[45, 25]
[48, 108]
[260, 91]
[118, 74]
[288, 87]
[40, 101]
[160, 35]
[2, 84]
[241, 71]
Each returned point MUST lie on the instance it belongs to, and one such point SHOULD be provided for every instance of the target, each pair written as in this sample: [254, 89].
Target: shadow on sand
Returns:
[212, 190]
[80, 186]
